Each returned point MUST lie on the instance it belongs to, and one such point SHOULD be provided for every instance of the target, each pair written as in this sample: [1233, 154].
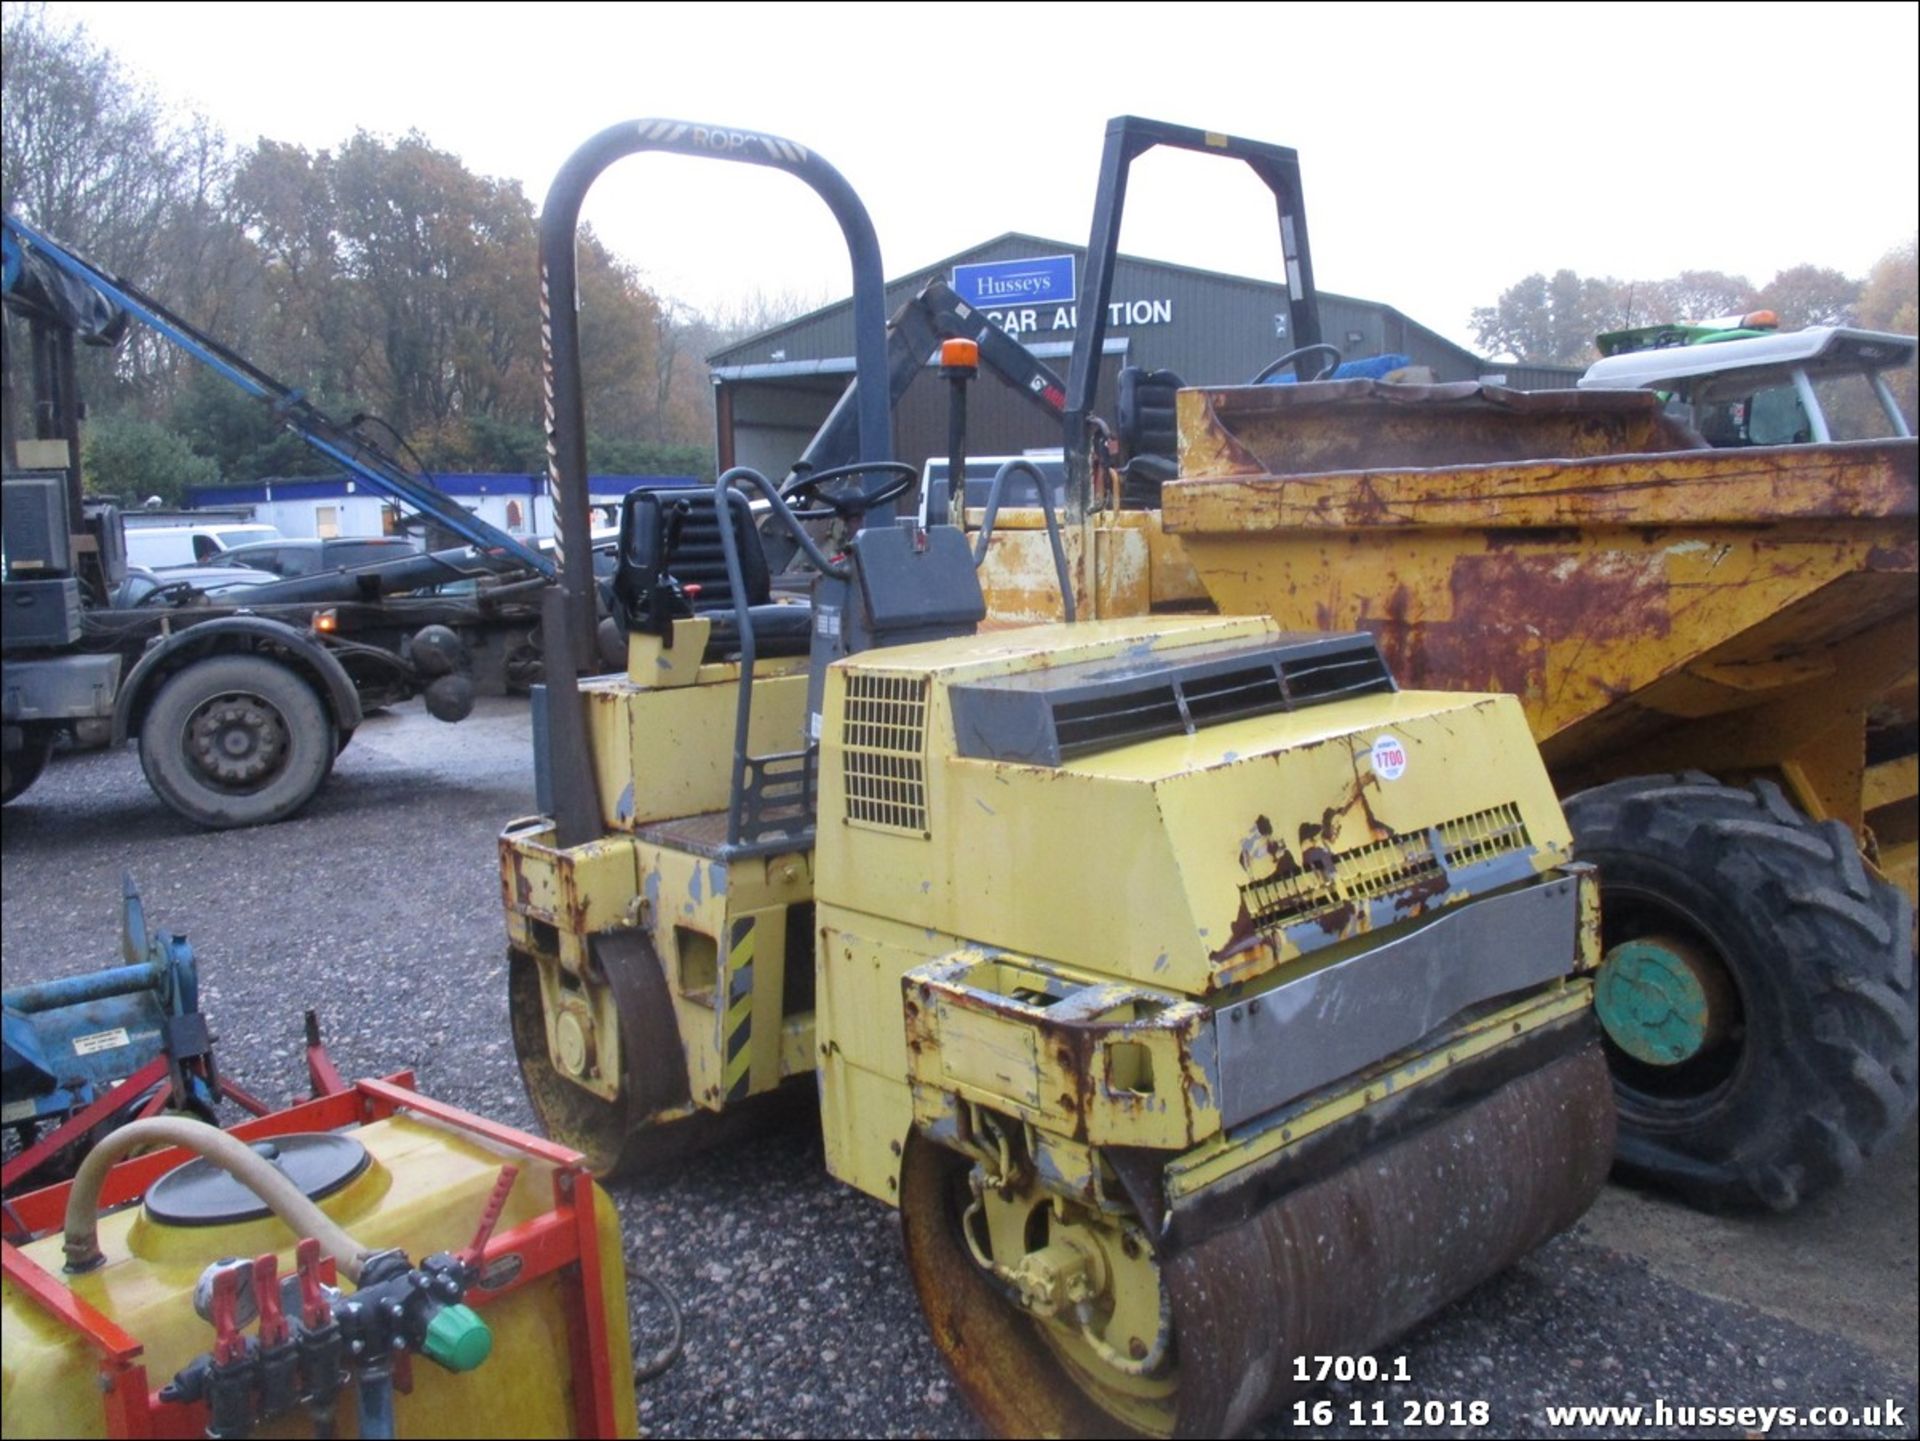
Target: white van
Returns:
[1019, 491]
[156, 546]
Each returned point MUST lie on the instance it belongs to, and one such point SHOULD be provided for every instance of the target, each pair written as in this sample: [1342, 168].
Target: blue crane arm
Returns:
[358, 455]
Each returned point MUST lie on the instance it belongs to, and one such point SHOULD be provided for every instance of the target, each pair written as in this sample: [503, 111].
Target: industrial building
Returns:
[335, 505]
[773, 390]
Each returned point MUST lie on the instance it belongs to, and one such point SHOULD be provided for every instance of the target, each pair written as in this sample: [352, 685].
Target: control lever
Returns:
[279, 1358]
[229, 1381]
[320, 1345]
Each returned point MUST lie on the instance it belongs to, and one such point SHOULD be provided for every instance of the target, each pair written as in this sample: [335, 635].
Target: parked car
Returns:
[144, 586]
[288, 558]
[163, 545]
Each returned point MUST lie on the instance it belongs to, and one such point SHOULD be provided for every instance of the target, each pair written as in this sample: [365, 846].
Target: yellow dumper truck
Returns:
[1714, 648]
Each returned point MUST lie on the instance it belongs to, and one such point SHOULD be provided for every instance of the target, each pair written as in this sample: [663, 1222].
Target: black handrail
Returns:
[560, 327]
[571, 624]
[1046, 509]
[743, 616]
[1128, 136]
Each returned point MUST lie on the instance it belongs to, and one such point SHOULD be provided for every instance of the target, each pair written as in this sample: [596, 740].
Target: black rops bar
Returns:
[1129, 136]
[576, 810]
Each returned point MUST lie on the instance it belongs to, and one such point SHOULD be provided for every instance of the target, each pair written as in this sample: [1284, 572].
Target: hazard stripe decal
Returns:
[739, 1020]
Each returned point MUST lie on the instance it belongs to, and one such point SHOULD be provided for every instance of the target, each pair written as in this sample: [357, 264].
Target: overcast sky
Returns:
[1447, 150]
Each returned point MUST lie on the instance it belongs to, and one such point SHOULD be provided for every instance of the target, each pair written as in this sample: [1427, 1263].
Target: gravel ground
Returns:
[380, 906]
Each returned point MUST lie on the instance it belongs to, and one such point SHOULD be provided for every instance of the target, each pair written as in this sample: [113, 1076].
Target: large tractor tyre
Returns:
[1758, 994]
[20, 769]
[236, 740]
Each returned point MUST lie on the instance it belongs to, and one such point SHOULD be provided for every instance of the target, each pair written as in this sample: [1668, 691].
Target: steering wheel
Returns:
[1330, 351]
[169, 593]
[852, 505]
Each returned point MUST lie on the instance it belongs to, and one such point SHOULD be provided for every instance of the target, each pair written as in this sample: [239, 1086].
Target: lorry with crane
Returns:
[240, 702]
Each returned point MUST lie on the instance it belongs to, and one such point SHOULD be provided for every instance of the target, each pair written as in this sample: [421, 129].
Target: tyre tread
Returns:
[1849, 1085]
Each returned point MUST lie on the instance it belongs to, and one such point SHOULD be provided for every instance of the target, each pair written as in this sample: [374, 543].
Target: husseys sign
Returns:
[999, 283]
[1023, 296]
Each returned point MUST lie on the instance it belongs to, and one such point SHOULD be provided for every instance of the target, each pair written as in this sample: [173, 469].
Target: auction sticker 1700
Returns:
[1389, 758]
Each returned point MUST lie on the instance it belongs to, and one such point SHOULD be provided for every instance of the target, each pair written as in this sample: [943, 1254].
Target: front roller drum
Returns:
[1339, 1265]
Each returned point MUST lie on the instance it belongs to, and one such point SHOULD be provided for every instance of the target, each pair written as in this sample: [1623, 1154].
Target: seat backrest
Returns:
[697, 561]
[1144, 421]
[1143, 412]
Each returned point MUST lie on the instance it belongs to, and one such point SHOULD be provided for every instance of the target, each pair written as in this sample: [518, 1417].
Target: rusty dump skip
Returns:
[1731, 610]
[1370, 425]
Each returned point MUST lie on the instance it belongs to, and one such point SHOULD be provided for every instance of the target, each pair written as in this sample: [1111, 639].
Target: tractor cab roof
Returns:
[1822, 350]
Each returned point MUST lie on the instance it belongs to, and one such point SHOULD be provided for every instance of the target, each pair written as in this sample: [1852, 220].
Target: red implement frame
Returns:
[564, 1241]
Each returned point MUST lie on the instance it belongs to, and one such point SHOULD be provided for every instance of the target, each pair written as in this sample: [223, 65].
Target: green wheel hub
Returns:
[1655, 996]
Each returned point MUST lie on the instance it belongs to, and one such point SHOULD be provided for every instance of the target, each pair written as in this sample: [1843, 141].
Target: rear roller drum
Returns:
[1028, 1369]
[1059, 1320]
[637, 1130]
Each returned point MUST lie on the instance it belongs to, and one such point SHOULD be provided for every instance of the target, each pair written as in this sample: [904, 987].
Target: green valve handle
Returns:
[457, 1339]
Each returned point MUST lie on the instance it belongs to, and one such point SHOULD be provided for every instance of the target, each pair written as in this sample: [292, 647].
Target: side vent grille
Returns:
[884, 745]
[1483, 836]
[1400, 865]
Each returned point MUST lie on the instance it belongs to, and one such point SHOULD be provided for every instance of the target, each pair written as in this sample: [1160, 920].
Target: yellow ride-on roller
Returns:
[1202, 999]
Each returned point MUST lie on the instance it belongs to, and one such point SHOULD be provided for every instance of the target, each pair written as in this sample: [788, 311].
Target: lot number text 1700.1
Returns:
[1350, 1368]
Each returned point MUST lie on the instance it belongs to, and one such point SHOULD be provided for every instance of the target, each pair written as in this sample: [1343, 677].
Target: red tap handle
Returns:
[314, 1310]
[266, 1294]
[496, 1203]
[229, 1341]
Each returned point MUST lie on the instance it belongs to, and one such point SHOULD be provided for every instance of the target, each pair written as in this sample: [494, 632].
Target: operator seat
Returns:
[697, 564]
[1144, 422]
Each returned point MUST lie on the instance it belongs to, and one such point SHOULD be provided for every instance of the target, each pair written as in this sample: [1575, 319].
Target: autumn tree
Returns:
[1694, 295]
[1889, 296]
[1810, 295]
[1889, 300]
[382, 276]
[1554, 321]
[1548, 321]
[88, 154]
[83, 149]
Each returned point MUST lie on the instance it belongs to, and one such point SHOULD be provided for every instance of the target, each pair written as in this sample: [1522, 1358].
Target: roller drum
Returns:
[1337, 1266]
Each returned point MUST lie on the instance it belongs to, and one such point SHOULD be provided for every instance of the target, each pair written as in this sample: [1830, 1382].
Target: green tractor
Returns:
[1739, 380]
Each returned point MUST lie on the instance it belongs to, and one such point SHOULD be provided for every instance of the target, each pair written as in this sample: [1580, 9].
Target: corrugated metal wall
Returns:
[1208, 328]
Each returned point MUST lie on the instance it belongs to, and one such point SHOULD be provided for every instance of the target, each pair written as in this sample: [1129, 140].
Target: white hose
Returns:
[235, 1157]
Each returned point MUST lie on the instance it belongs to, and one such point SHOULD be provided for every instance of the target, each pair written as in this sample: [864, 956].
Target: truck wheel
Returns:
[1758, 994]
[20, 769]
[236, 740]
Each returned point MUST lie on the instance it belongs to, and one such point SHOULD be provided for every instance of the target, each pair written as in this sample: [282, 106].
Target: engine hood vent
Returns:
[1046, 717]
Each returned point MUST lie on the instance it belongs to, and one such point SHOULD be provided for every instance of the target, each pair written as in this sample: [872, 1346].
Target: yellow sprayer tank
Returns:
[92, 1354]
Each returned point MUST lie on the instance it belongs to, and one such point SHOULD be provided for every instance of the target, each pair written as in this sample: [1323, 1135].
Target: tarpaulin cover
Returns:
[36, 285]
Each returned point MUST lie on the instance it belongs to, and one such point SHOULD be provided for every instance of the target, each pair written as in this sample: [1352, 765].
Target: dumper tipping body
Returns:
[1741, 612]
